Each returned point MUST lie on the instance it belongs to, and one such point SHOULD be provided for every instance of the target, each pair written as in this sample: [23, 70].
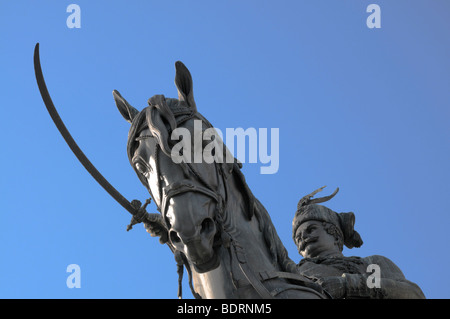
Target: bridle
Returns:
[185, 186]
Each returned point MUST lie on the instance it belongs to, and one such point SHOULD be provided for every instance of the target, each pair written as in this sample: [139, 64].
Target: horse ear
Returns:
[183, 82]
[128, 112]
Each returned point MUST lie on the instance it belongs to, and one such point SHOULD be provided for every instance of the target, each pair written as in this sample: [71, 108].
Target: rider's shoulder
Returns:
[384, 263]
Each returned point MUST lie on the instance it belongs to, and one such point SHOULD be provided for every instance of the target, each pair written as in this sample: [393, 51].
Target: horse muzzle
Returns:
[201, 254]
[198, 245]
[206, 265]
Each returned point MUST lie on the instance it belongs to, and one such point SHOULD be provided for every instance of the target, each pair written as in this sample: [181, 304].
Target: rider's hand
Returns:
[154, 225]
[335, 286]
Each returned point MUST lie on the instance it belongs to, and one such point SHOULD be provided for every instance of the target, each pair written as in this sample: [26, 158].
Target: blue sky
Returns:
[365, 110]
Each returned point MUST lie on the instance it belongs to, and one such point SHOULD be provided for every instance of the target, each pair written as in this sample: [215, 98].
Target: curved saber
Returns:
[140, 214]
[71, 142]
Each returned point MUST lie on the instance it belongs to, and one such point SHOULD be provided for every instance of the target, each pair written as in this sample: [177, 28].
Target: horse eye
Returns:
[142, 169]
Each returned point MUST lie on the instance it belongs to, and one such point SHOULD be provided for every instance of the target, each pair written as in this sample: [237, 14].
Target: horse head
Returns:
[190, 195]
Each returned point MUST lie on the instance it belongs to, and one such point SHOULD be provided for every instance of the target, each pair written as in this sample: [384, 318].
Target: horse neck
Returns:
[251, 241]
[255, 235]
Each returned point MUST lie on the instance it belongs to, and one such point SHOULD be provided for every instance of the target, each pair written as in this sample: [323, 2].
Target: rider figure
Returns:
[320, 235]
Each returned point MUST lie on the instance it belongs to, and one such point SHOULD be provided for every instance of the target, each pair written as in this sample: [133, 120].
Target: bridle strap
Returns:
[185, 186]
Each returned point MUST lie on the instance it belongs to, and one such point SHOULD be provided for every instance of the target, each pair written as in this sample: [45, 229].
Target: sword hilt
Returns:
[140, 213]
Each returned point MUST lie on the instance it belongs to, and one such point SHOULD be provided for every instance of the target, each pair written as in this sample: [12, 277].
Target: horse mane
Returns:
[277, 250]
[161, 118]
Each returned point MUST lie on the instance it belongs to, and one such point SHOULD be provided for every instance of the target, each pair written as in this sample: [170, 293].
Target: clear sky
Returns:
[365, 110]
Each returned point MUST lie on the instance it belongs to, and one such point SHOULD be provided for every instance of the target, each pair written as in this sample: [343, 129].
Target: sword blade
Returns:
[71, 142]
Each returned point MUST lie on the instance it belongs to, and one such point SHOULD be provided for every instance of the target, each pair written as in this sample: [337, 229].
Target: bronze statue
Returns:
[320, 235]
[214, 225]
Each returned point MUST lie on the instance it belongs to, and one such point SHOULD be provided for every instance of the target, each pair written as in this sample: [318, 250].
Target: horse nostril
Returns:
[207, 226]
[174, 238]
